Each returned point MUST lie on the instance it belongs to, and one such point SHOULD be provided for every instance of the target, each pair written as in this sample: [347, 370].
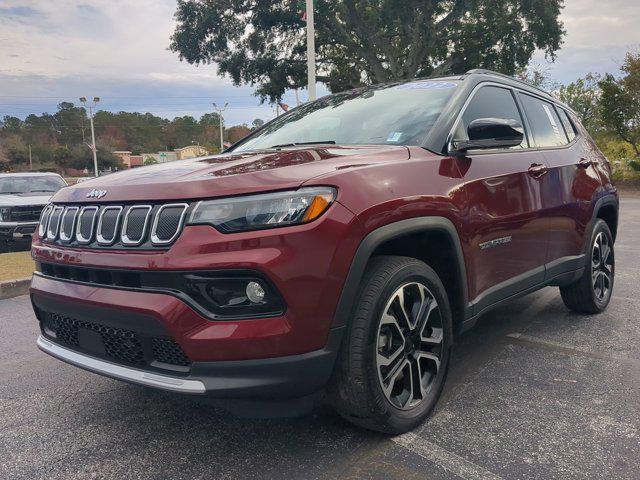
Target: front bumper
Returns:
[281, 378]
[17, 231]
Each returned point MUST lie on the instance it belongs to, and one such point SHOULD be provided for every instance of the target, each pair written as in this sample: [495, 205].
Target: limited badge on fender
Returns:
[495, 242]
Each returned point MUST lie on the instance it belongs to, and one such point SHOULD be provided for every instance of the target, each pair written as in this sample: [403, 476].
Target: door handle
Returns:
[584, 163]
[537, 170]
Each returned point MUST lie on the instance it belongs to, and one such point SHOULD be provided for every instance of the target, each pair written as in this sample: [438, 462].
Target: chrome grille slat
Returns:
[161, 239]
[128, 238]
[44, 220]
[104, 227]
[67, 228]
[54, 223]
[81, 230]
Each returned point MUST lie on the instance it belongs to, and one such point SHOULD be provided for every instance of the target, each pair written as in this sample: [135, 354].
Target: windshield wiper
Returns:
[317, 142]
[10, 193]
[33, 191]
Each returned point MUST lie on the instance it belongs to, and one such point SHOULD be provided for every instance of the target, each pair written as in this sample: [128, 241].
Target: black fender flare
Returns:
[384, 234]
[609, 198]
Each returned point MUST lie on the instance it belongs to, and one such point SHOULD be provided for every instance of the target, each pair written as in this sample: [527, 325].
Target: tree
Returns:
[363, 41]
[620, 102]
[257, 123]
[583, 97]
[150, 161]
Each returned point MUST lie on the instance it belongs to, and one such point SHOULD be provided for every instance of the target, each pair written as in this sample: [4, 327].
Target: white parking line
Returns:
[449, 461]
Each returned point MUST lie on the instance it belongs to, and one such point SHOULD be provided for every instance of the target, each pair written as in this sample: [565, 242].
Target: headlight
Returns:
[254, 212]
[4, 213]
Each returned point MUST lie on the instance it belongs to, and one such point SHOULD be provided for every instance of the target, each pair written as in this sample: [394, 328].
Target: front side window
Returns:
[490, 102]
[16, 184]
[384, 115]
[546, 127]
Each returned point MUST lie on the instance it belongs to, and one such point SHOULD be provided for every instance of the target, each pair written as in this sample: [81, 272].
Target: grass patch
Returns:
[14, 266]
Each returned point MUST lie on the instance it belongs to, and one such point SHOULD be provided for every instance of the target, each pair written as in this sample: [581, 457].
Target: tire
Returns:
[592, 292]
[357, 389]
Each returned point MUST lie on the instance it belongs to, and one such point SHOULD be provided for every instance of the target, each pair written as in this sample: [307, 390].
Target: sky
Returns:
[58, 50]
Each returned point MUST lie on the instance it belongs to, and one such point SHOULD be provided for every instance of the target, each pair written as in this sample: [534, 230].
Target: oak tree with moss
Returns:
[263, 43]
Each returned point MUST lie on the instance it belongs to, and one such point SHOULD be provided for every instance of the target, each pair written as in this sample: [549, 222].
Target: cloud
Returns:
[599, 33]
[118, 48]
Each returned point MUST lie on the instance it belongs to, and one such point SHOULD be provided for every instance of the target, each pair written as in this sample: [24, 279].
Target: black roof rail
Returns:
[484, 71]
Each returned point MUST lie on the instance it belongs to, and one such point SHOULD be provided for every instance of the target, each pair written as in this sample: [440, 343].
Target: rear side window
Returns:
[490, 102]
[568, 125]
[546, 127]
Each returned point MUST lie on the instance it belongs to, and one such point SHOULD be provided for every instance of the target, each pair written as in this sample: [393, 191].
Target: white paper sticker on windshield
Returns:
[552, 120]
[394, 137]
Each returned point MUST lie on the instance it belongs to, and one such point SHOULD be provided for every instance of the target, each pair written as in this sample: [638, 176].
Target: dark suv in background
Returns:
[342, 248]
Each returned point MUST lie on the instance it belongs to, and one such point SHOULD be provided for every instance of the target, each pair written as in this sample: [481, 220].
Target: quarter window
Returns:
[568, 125]
[490, 102]
[546, 127]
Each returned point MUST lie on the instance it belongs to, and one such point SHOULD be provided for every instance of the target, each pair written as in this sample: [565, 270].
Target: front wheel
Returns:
[592, 292]
[395, 357]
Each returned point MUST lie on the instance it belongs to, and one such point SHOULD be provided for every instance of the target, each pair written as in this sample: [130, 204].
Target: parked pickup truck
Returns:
[22, 198]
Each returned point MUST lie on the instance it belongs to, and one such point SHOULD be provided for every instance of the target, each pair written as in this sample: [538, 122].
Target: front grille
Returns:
[113, 226]
[25, 214]
[118, 345]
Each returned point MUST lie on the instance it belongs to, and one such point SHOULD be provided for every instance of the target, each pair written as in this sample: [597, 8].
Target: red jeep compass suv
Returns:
[340, 248]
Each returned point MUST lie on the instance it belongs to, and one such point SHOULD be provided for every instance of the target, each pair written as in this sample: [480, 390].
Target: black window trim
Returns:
[516, 92]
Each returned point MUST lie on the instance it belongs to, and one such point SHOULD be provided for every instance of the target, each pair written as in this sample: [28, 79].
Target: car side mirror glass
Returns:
[485, 133]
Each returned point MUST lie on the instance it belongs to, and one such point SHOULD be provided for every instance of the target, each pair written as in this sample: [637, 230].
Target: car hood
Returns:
[24, 199]
[228, 174]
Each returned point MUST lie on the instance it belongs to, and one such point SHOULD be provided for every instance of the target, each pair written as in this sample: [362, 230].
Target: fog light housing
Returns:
[255, 292]
[241, 294]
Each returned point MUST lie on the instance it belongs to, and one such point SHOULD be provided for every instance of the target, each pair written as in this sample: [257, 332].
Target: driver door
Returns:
[505, 219]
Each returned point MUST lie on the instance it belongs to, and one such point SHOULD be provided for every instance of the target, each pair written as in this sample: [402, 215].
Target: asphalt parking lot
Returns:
[534, 392]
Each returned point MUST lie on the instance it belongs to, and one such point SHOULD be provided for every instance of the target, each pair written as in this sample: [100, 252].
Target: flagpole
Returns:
[311, 52]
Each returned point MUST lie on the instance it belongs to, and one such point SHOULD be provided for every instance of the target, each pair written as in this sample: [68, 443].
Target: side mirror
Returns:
[487, 133]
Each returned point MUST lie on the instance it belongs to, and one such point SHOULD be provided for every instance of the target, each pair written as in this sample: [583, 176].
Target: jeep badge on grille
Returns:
[96, 193]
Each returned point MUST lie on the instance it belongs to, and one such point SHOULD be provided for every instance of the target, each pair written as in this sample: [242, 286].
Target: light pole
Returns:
[93, 134]
[220, 110]
[311, 52]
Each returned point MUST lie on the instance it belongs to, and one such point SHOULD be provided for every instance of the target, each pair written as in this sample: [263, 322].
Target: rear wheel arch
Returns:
[433, 240]
[607, 209]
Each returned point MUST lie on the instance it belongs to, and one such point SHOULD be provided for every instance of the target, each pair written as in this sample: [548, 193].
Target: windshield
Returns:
[386, 115]
[29, 184]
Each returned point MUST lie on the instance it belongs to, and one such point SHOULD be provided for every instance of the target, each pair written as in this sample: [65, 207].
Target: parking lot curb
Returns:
[13, 288]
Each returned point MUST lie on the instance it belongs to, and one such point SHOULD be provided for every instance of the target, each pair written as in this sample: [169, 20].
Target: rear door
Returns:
[507, 228]
[568, 186]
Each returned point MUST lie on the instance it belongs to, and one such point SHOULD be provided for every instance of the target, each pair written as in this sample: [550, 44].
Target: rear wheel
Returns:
[394, 359]
[592, 292]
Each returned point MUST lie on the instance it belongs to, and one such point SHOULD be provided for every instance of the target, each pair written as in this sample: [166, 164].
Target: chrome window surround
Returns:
[53, 234]
[528, 135]
[154, 238]
[42, 225]
[124, 238]
[105, 241]
[79, 238]
[63, 237]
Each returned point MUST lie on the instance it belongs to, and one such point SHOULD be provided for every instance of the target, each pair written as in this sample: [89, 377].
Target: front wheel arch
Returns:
[381, 241]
